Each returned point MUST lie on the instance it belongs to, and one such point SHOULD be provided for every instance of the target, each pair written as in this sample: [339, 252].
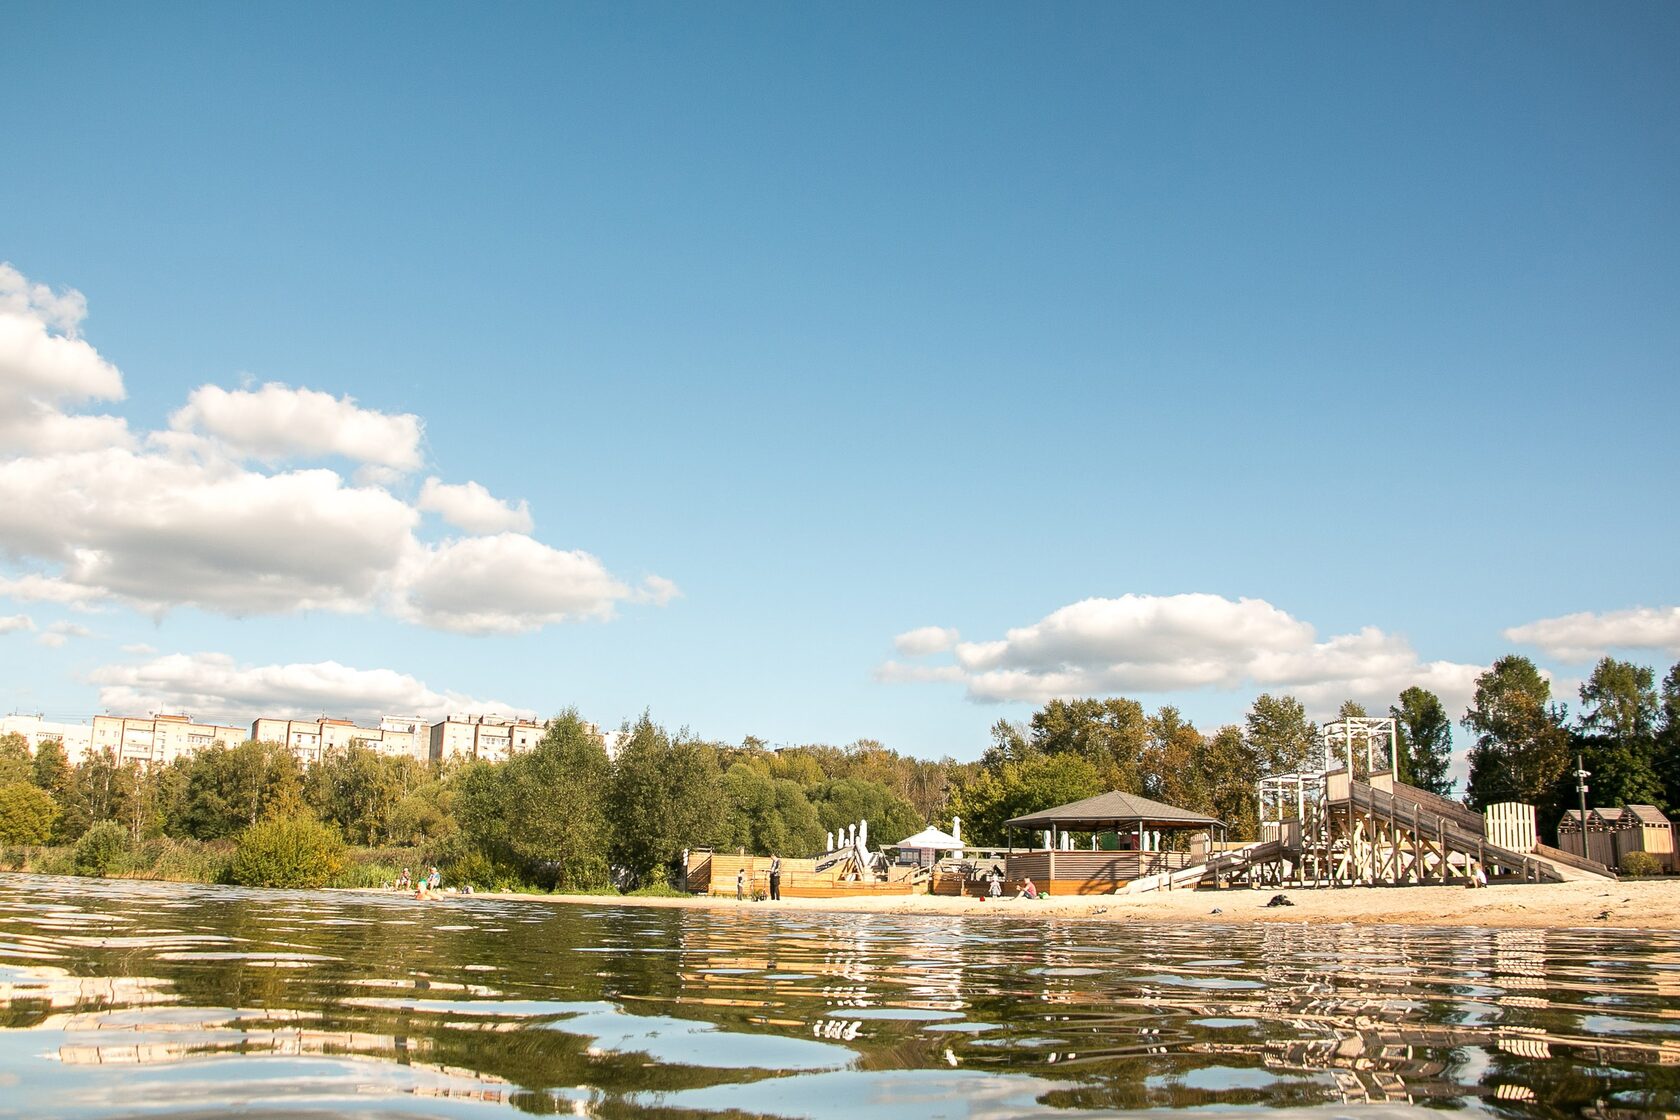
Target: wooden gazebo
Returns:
[1138, 825]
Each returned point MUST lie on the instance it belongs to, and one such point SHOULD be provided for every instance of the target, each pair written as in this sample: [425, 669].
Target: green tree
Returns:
[14, 759]
[1618, 722]
[1174, 766]
[769, 814]
[1424, 733]
[1015, 789]
[1281, 736]
[228, 790]
[1668, 741]
[53, 773]
[358, 789]
[1522, 748]
[542, 812]
[849, 800]
[663, 797]
[1112, 735]
[295, 851]
[1232, 770]
[27, 813]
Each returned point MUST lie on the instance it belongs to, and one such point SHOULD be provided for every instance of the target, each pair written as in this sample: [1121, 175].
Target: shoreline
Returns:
[1642, 904]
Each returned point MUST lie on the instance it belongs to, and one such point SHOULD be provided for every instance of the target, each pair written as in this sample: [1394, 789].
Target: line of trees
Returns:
[566, 816]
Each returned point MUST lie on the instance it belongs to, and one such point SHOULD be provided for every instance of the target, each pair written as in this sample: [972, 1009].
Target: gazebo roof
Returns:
[1108, 809]
[929, 837]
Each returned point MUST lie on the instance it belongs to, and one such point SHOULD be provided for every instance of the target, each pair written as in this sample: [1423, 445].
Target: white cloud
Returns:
[140, 649]
[1142, 644]
[1586, 636]
[61, 311]
[277, 422]
[471, 507]
[163, 532]
[199, 515]
[504, 584]
[61, 632]
[44, 366]
[34, 588]
[214, 686]
[657, 590]
[13, 623]
[925, 640]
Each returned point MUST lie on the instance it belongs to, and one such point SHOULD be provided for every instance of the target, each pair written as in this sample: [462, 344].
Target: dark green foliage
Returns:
[1015, 789]
[1618, 740]
[769, 814]
[1668, 741]
[1229, 767]
[358, 789]
[543, 812]
[292, 851]
[1280, 734]
[26, 814]
[663, 797]
[1112, 735]
[1522, 750]
[849, 800]
[1424, 731]
[102, 850]
[227, 790]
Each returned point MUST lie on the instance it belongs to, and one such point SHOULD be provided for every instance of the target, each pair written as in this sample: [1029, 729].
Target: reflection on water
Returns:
[121, 999]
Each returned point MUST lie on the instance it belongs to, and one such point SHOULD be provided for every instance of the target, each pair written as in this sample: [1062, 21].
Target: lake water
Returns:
[147, 999]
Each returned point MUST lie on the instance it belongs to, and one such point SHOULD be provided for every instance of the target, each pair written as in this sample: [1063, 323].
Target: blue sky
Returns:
[1210, 350]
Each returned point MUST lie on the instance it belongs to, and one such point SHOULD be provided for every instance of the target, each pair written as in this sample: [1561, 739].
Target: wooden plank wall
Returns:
[800, 878]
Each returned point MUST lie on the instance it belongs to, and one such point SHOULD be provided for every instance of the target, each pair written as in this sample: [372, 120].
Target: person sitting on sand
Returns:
[1028, 890]
[405, 881]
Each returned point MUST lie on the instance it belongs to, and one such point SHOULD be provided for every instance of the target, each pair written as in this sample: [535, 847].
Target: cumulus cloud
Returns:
[277, 422]
[214, 686]
[1142, 644]
[925, 640]
[471, 507]
[1587, 636]
[44, 366]
[13, 623]
[164, 532]
[201, 515]
[506, 584]
[61, 632]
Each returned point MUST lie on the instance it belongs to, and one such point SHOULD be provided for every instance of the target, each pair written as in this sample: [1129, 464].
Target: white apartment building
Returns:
[488, 738]
[75, 738]
[310, 740]
[161, 739]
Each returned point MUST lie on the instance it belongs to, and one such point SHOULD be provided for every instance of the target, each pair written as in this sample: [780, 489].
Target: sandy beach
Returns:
[1650, 904]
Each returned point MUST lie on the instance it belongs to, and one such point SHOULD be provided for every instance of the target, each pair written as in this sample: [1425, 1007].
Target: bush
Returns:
[102, 850]
[1641, 863]
[288, 852]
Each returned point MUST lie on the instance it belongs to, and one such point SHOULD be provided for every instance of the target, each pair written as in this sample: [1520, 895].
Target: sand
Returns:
[1645, 904]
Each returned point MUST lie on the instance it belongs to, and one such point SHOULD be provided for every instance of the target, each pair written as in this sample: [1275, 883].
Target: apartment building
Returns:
[310, 740]
[487, 738]
[75, 738]
[161, 739]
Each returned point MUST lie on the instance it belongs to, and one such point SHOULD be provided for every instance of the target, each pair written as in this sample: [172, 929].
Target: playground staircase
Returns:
[1453, 827]
[1237, 861]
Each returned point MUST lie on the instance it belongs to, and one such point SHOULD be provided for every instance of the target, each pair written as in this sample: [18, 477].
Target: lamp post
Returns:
[1581, 776]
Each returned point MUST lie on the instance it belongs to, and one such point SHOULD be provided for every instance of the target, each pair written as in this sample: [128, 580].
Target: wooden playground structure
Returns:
[1350, 820]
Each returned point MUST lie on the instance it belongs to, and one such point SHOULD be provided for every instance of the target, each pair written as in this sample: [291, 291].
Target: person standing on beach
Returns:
[775, 877]
[740, 883]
